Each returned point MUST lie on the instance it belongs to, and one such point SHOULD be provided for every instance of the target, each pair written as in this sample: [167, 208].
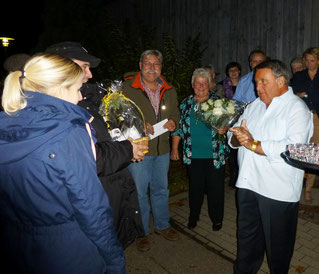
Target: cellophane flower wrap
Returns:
[123, 117]
[220, 112]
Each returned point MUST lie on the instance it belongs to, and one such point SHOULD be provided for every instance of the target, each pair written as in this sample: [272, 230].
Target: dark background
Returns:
[190, 33]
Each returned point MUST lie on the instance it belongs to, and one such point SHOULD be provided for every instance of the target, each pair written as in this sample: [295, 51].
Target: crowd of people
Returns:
[72, 199]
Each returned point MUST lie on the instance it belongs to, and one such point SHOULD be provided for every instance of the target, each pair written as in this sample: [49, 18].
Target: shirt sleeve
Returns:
[299, 130]
[88, 199]
[245, 91]
[113, 156]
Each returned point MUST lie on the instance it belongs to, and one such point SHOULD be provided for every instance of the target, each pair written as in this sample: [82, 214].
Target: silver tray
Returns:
[296, 163]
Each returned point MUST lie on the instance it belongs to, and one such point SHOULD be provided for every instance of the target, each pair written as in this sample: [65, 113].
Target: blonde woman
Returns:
[305, 84]
[55, 214]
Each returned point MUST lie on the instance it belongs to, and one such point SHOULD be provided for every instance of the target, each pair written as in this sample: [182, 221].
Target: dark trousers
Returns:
[233, 166]
[264, 225]
[203, 176]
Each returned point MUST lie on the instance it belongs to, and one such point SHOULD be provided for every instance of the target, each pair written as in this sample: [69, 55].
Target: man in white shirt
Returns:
[268, 188]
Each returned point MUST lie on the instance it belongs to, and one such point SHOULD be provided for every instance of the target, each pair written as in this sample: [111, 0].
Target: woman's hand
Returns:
[174, 154]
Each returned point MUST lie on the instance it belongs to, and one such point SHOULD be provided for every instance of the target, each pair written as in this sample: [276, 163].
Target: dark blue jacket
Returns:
[56, 215]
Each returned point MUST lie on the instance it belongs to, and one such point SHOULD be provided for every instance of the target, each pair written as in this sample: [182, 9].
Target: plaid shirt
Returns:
[154, 96]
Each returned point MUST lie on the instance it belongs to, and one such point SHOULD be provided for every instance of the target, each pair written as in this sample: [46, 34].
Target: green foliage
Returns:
[119, 43]
[179, 65]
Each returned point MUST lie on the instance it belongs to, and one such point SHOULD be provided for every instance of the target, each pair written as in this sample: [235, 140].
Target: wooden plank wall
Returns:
[230, 29]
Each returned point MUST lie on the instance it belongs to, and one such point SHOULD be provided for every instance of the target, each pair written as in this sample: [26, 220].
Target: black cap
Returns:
[74, 50]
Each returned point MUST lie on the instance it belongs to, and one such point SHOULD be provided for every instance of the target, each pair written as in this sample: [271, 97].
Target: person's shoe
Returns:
[143, 243]
[217, 227]
[191, 225]
[168, 233]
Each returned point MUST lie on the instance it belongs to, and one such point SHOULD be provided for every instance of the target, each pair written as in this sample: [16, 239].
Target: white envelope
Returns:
[158, 129]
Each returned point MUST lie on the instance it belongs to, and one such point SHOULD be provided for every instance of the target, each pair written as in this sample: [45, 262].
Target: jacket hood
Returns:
[39, 122]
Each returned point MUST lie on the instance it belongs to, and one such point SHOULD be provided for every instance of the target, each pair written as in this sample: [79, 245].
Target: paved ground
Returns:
[203, 251]
[180, 257]
[306, 254]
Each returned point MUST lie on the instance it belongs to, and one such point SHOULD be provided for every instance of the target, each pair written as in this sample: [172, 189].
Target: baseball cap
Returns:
[74, 50]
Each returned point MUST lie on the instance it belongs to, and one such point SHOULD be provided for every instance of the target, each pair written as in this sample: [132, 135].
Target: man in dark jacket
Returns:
[112, 157]
[158, 102]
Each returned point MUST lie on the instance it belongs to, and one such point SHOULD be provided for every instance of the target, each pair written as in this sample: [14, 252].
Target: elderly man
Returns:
[158, 101]
[268, 188]
[245, 91]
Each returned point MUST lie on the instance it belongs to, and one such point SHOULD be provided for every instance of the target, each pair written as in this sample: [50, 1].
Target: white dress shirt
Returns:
[286, 121]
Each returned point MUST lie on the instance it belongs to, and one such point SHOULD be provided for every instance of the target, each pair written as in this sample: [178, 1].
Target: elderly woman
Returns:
[203, 153]
[305, 84]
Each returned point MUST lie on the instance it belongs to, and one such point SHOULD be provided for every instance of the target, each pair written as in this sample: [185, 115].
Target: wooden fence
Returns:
[230, 29]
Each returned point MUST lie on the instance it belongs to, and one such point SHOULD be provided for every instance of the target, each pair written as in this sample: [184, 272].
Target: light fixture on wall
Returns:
[6, 41]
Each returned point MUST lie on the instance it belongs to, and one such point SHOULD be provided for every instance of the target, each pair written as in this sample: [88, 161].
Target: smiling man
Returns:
[158, 101]
[268, 188]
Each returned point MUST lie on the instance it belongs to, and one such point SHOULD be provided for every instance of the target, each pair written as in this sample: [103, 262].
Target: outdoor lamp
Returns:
[5, 41]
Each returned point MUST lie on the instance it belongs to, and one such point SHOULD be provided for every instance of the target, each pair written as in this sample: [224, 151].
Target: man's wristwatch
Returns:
[254, 145]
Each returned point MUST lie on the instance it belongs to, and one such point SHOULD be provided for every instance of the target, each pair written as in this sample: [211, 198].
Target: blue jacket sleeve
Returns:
[88, 199]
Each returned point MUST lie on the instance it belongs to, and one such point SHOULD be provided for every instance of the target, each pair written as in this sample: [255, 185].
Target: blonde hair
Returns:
[312, 51]
[47, 73]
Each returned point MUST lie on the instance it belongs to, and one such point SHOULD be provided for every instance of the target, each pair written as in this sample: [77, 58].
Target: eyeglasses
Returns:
[233, 70]
[149, 65]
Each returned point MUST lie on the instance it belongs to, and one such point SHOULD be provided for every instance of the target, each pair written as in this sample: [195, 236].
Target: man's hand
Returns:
[149, 128]
[138, 151]
[170, 125]
[243, 135]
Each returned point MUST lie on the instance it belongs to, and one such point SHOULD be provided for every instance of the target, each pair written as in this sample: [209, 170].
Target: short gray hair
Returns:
[203, 73]
[277, 67]
[150, 52]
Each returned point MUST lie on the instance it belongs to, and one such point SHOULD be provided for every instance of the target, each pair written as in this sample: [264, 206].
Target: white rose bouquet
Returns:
[220, 112]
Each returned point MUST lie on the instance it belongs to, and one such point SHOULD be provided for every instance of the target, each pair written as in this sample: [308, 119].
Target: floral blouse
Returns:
[220, 148]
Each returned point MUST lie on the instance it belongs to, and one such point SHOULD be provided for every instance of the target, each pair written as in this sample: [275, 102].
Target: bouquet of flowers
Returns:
[123, 117]
[219, 113]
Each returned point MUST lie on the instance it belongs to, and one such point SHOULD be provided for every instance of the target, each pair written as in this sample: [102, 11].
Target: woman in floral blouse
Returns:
[204, 153]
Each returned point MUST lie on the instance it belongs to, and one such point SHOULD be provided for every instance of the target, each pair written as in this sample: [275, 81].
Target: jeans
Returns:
[152, 173]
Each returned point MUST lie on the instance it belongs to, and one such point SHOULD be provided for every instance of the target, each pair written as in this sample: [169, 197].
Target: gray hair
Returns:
[277, 67]
[203, 73]
[150, 52]
[297, 60]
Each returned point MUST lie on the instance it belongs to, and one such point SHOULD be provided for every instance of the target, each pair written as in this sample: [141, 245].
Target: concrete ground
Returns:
[203, 251]
[182, 256]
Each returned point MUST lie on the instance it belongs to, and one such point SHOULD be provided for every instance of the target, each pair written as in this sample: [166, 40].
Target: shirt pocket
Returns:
[275, 129]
